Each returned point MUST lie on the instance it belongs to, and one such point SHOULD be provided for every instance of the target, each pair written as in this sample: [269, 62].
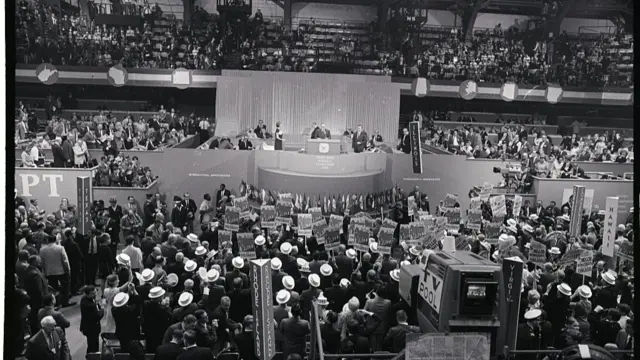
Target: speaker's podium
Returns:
[323, 146]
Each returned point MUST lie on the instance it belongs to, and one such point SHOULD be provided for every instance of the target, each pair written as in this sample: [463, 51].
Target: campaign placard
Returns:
[316, 214]
[332, 238]
[243, 205]
[517, 205]
[585, 263]
[570, 257]
[405, 233]
[537, 253]
[474, 219]
[487, 188]
[498, 205]
[385, 240]
[232, 218]
[475, 203]
[304, 224]
[246, 247]
[283, 212]
[626, 251]
[610, 224]
[268, 216]
[492, 232]
[450, 200]
[319, 230]
[224, 236]
[361, 238]
[336, 220]
[411, 205]
[453, 218]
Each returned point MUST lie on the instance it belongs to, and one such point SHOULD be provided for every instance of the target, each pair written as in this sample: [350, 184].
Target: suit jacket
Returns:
[359, 143]
[231, 276]
[395, 341]
[622, 339]
[196, 353]
[54, 260]
[280, 313]
[61, 321]
[38, 348]
[36, 286]
[67, 149]
[245, 145]
[345, 266]
[59, 159]
[322, 134]
[116, 216]
[210, 302]
[245, 344]
[169, 351]
[220, 194]
[179, 216]
[305, 301]
[91, 314]
[191, 208]
[405, 145]
[127, 320]
[240, 302]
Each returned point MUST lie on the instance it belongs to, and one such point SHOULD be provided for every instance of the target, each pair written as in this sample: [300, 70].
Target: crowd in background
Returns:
[169, 289]
[493, 55]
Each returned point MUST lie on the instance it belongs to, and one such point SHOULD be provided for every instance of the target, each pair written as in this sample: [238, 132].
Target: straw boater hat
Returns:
[276, 264]
[285, 248]
[609, 277]
[190, 266]
[326, 270]
[237, 262]
[288, 282]
[415, 250]
[192, 237]
[528, 228]
[322, 300]
[213, 275]
[565, 217]
[351, 254]
[200, 250]
[584, 291]
[373, 247]
[123, 259]
[405, 263]
[486, 245]
[554, 251]
[156, 292]
[185, 299]
[283, 297]
[395, 275]
[314, 280]
[564, 289]
[121, 299]
[172, 280]
[512, 228]
[147, 275]
[345, 283]
[511, 222]
[532, 314]
[533, 217]
[259, 240]
[301, 262]
[527, 245]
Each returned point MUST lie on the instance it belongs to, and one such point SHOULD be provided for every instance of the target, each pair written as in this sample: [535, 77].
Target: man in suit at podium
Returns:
[404, 145]
[360, 139]
[321, 133]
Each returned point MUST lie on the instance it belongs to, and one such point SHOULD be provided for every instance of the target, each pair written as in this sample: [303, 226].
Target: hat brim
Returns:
[124, 302]
[155, 296]
[285, 300]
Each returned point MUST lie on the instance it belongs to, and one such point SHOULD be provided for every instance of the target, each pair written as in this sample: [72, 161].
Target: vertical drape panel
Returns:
[297, 100]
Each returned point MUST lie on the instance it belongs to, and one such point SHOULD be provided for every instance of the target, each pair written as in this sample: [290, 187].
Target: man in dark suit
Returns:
[48, 343]
[173, 349]
[37, 287]
[395, 341]
[148, 209]
[91, 314]
[245, 341]
[126, 315]
[405, 145]
[179, 214]
[360, 138]
[552, 210]
[212, 296]
[59, 159]
[344, 263]
[261, 130]
[244, 143]
[240, 301]
[193, 351]
[192, 208]
[226, 325]
[336, 295]
[67, 148]
[322, 132]
[222, 193]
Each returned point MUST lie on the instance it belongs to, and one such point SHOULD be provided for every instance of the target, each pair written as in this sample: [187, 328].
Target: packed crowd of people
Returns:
[494, 55]
[169, 291]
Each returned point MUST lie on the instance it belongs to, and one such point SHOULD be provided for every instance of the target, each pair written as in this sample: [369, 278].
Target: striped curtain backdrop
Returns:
[297, 99]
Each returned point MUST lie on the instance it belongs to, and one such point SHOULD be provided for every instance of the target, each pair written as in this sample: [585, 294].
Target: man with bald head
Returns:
[49, 343]
[226, 326]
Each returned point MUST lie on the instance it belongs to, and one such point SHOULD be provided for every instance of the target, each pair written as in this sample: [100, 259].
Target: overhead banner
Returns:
[576, 210]
[512, 269]
[416, 151]
[610, 224]
[261, 295]
[49, 185]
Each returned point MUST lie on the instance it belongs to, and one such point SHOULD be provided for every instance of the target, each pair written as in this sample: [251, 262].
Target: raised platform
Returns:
[321, 184]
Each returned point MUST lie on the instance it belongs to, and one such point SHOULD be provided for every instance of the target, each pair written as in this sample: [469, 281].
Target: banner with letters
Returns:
[262, 304]
[304, 224]
[416, 149]
[268, 216]
[224, 236]
[498, 205]
[537, 253]
[610, 226]
[283, 212]
[336, 221]
[246, 246]
[232, 218]
[332, 238]
[585, 263]
[319, 230]
[385, 240]
[474, 219]
[243, 205]
[517, 205]
[361, 235]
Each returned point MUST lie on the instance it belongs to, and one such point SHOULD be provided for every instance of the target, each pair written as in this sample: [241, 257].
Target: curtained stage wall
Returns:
[298, 99]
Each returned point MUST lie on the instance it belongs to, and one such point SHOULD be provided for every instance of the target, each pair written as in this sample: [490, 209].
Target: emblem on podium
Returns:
[323, 148]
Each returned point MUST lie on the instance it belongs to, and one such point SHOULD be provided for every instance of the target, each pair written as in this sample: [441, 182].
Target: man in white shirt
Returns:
[135, 254]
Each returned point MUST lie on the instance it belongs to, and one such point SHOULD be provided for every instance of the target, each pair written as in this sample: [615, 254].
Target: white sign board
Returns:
[610, 224]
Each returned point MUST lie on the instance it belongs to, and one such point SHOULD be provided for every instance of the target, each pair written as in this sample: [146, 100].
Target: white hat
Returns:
[345, 283]
[621, 227]
[192, 237]
[123, 259]
[326, 270]
[528, 228]
[352, 254]
[511, 222]
[485, 245]
[285, 248]
[172, 280]
[156, 292]
[283, 297]
[237, 262]
[373, 247]
[405, 263]
[185, 299]
[120, 299]
[190, 265]
[371, 240]
[200, 250]
[565, 217]
[301, 262]
[202, 272]
[147, 275]
[322, 300]
[495, 255]
[554, 251]
[527, 245]
[314, 280]
[584, 291]
[288, 282]
[259, 240]
[564, 289]
[415, 250]
[533, 217]
[395, 275]
[502, 237]
[512, 228]
[276, 264]
[532, 314]
[609, 277]
[213, 275]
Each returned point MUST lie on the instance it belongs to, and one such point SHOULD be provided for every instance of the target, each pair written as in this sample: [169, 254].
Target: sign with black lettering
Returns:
[626, 251]
[585, 263]
[304, 224]
[268, 216]
[232, 218]
[85, 198]
[576, 210]
[610, 224]
[246, 247]
[261, 295]
[512, 269]
[430, 289]
[416, 150]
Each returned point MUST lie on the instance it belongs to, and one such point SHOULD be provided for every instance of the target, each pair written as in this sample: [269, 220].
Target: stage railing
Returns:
[508, 353]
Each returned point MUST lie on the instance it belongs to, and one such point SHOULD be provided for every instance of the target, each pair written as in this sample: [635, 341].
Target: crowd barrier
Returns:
[488, 120]
[508, 354]
[121, 194]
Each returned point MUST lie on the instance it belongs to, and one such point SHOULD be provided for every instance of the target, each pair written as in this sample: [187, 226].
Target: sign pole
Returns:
[576, 210]
[261, 301]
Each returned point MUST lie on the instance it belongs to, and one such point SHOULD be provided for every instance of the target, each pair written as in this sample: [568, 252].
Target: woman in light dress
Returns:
[108, 324]
[206, 208]
[80, 152]
[555, 168]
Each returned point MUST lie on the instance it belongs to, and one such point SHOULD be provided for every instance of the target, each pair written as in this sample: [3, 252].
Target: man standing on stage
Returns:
[360, 139]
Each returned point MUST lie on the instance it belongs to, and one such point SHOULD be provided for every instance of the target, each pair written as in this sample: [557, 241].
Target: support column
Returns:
[288, 7]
